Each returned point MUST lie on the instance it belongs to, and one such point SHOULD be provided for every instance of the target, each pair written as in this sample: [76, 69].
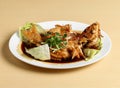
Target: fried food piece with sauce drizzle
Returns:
[91, 35]
[30, 35]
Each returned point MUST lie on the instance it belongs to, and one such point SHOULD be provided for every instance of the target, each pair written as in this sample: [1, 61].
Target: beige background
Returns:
[16, 74]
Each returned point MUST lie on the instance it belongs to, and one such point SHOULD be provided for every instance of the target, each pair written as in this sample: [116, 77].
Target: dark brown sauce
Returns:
[65, 61]
[22, 47]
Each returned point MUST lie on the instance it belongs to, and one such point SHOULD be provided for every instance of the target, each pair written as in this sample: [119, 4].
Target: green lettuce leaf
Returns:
[90, 53]
[41, 52]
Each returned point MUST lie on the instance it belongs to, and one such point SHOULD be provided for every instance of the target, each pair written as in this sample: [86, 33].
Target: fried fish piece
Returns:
[91, 35]
[65, 29]
[71, 51]
[30, 35]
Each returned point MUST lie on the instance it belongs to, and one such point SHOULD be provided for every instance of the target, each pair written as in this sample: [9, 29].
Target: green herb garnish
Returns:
[57, 41]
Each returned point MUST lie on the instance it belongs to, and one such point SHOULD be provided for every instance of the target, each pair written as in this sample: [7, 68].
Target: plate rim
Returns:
[56, 65]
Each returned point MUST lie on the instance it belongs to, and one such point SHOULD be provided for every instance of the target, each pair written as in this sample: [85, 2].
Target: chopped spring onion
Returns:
[57, 41]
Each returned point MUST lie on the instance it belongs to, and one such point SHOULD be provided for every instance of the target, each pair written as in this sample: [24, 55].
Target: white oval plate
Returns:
[15, 40]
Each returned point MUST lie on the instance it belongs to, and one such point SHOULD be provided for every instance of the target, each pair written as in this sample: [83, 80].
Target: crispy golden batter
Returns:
[64, 43]
[61, 29]
[32, 36]
[91, 35]
[75, 43]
